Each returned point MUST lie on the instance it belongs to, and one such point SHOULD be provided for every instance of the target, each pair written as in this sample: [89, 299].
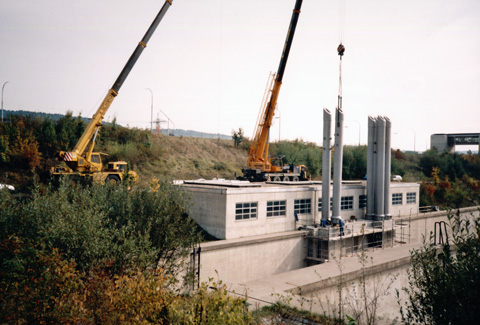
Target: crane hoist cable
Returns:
[341, 51]
[341, 48]
[341, 21]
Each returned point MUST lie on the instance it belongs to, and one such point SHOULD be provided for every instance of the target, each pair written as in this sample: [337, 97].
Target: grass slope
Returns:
[191, 158]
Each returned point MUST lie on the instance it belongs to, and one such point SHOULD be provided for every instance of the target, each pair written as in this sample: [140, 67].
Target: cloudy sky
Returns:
[416, 62]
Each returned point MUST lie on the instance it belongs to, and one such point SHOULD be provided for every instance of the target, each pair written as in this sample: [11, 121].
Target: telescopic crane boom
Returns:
[82, 160]
[259, 165]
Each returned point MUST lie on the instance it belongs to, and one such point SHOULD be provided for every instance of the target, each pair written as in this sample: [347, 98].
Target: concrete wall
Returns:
[241, 260]
[440, 142]
[380, 281]
[405, 209]
[245, 259]
[209, 206]
[263, 224]
[423, 224]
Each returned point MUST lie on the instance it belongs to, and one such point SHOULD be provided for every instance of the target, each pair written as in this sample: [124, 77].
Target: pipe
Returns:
[337, 167]
[326, 164]
[380, 170]
[388, 164]
[371, 168]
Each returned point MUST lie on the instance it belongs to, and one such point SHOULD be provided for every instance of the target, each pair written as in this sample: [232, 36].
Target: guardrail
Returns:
[354, 237]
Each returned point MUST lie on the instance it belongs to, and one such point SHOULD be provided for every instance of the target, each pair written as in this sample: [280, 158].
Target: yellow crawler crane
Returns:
[82, 161]
[260, 167]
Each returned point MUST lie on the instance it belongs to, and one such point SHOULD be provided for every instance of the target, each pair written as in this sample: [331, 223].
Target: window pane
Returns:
[276, 208]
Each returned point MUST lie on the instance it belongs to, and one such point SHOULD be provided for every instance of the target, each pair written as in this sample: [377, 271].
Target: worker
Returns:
[341, 225]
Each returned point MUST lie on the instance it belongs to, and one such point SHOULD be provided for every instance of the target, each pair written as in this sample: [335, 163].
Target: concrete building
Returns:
[237, 209]
[447, 142]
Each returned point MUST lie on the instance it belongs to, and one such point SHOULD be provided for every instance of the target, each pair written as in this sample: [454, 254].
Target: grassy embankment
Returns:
[182, 158]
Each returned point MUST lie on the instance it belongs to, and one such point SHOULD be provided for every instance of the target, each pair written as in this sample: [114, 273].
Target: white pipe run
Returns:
[380, 170]
[388, 162]
[371, 168]
[337, 168]
[326, 163]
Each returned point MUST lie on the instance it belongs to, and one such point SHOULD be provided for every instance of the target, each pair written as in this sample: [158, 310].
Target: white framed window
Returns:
[346, 203]
[411, 198]
[276, 208]
[302, 206]
[246, 210]
[397, 198]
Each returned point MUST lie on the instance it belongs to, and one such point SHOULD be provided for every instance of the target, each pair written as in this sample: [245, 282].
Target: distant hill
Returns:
[196, 134]
[177, 132]
[54, 117]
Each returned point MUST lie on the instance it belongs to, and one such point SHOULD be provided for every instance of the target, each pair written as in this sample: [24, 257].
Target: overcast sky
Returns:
[416, 62]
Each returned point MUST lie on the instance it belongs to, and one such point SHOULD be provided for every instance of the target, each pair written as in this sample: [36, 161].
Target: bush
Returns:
[95, 224]
[103, 254]
[444, 281]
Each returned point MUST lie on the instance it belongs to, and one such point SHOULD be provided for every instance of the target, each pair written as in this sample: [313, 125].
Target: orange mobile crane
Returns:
[82, 161]
[260, 167]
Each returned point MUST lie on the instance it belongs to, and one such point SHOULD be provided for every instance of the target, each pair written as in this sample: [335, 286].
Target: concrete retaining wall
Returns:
[245, 259]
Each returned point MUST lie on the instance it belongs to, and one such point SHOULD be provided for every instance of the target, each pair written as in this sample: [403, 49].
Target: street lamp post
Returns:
[414, 140]
[6, 82]
[151, 109]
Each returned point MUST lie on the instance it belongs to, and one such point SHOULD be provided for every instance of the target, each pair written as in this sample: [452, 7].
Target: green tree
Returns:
[68, 130]
[429, 160]
[97, 224]
[47, 137]
[299, 152]
[237, 137]
[354, 162]
[444, 280]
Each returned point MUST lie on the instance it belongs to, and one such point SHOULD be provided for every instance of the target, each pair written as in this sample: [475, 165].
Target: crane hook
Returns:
[341, 49]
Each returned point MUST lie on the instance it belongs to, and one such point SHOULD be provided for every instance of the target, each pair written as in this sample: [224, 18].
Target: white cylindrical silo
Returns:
[388, 164]
[380, 170]
[337, 165]
[326, 164]
[371, 168]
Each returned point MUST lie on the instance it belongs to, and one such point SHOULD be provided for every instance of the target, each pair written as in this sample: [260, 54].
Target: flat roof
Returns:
[224, 183]
[459, 134]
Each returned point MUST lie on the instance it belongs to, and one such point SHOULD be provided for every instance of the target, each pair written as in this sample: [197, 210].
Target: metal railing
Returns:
[356, 236]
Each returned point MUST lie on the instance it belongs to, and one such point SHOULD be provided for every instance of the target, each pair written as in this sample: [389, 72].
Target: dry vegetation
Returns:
[192, 158]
